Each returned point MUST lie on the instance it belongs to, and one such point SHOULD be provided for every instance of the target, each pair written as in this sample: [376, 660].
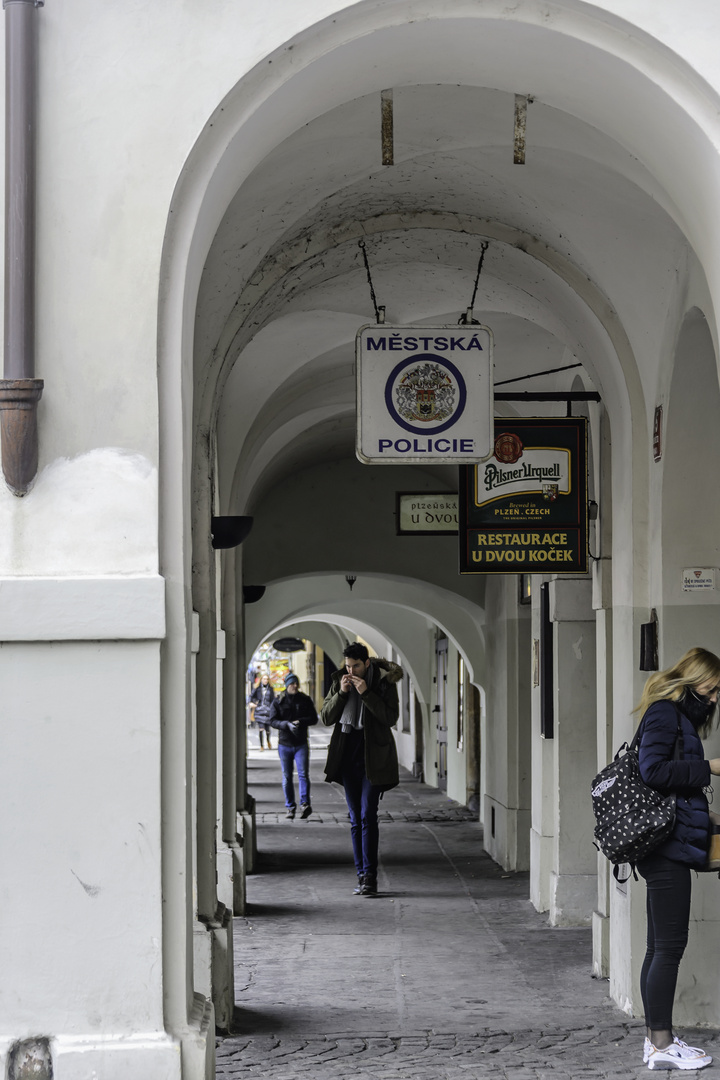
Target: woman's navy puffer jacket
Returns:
[688, 841]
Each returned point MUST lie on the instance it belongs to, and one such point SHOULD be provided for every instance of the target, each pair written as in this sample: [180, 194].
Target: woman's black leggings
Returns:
[668, 918]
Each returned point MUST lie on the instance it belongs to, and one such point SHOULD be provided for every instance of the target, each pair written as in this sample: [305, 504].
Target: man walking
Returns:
[292, 714]
[362, 706]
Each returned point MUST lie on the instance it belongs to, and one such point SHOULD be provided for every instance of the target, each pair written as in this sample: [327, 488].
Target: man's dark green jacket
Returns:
[380, 713]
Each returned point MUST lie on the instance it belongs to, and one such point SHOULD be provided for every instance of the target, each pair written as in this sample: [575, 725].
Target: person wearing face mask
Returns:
[677, 705]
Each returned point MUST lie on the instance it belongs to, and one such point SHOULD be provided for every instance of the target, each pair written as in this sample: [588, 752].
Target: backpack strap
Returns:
[678, 749]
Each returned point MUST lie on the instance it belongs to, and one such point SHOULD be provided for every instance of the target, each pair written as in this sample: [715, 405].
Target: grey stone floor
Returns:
[449, 973]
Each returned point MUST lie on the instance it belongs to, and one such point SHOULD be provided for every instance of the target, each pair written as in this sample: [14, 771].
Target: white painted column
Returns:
[506, 810]
[573, 880]
[81, 937]
[542, 828]
[224, 854]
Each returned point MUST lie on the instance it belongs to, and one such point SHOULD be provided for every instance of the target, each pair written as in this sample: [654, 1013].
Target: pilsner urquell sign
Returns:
[524, 510]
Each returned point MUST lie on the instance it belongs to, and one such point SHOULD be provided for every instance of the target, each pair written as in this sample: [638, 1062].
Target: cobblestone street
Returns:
[449, 973]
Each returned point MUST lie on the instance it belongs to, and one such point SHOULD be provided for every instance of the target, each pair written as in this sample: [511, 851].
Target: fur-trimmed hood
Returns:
[388, 669]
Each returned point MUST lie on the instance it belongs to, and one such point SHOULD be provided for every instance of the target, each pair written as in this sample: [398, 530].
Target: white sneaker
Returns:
[647, 1047]
[678, 1055]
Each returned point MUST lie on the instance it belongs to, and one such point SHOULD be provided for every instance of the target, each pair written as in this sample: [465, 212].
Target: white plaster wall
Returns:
[689, 523]
[690, 515]
[340, 515]
[95, 514]
[81, 844]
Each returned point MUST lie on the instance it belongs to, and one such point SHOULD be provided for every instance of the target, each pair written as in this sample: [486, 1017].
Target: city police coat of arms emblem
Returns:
[425, 393]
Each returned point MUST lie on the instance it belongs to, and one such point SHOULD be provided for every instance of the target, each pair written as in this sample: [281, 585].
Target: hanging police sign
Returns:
[424, 394]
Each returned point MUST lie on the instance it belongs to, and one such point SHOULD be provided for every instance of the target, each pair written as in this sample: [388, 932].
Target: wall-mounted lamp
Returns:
[351, 579]
[230, 531]
[649, 643]
[289, 644]
[253, 593]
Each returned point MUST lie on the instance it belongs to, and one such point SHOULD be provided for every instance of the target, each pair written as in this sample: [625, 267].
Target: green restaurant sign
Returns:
[524, 510]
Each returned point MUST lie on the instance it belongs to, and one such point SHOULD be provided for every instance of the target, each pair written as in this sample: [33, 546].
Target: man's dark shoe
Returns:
[290, 814]
[360, 884]
[369, 886]
[305, 810]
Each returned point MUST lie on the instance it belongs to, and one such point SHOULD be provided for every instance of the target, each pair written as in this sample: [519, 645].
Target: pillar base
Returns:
[225, 874]
[246, 830]
[601, 945]
[572, 899]
[214, 965]
[239, 883]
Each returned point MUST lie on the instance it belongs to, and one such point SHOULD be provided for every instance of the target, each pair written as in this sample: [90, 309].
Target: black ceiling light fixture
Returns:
[253, 593]
[229, 531]
[289, 644]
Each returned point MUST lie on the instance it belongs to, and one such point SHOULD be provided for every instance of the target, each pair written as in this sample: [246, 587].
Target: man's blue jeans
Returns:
[298, 756]
[362, 799]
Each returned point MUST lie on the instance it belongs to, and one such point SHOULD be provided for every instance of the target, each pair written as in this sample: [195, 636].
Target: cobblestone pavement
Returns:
[593, 1053]
[449, 973]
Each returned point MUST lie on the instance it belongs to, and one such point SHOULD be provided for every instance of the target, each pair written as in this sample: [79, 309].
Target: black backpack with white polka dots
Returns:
[631, 818]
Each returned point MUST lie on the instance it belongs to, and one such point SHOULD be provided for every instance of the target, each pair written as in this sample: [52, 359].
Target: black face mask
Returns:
[696, 707]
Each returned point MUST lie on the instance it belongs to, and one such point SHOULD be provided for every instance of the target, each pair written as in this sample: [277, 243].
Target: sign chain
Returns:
[379, 311]
[467, 317]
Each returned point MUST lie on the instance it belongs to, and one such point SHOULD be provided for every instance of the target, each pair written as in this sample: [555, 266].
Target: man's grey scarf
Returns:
[352, 714]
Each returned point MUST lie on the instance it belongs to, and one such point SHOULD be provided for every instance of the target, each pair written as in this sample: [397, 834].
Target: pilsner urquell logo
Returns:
[425, 392]
[508, 451]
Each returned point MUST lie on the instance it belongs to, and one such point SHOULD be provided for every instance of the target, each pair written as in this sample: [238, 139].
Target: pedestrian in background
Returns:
[261, 700]
[361, 707]
[292, 714]
[677, 707]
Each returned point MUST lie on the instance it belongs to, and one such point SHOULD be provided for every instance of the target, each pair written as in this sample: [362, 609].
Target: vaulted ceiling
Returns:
[285, 286]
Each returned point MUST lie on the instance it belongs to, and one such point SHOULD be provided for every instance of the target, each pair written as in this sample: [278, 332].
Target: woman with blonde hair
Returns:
[677, 707]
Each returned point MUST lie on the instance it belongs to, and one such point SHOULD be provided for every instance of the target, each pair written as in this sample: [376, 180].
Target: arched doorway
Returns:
[272, 329]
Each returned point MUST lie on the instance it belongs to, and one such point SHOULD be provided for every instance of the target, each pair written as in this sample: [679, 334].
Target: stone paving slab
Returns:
[449, 974]
[537, 1055]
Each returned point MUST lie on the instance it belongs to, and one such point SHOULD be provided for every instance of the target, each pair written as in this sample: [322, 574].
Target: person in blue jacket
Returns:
[676, 704]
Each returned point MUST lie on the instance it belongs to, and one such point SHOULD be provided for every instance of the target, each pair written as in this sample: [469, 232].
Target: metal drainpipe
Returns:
[19, 390]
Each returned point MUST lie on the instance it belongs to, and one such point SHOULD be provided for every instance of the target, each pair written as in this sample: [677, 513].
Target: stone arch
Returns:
[528, 45]
[690, 516]
[326, 597]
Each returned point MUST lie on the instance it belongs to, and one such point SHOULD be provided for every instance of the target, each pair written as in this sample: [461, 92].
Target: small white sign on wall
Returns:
[699, 579]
